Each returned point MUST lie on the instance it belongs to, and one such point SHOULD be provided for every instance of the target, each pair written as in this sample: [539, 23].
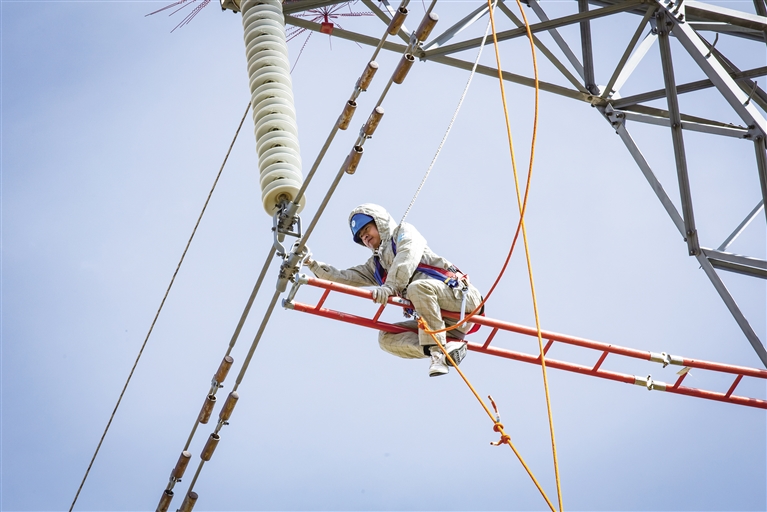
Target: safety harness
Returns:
[451, 276]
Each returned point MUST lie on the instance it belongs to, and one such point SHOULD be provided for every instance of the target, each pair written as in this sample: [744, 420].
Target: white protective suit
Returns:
[427, 294]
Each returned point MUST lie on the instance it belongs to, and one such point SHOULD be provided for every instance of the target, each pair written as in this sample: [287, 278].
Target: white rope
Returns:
[452, 121]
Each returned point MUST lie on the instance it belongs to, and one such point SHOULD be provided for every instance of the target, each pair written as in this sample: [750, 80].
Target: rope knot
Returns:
[505, 439]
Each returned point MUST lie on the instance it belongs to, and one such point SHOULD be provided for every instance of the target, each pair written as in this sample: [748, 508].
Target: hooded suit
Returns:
[401, 260]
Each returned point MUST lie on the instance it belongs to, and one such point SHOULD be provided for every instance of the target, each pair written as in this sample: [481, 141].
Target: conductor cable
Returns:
[361, 85]
[159, 309]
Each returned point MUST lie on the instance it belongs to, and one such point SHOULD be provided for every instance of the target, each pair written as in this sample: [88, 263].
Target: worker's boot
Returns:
[457, 351]
[438, 364]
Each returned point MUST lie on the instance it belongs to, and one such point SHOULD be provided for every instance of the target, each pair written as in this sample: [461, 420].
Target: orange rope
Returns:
[497, 425]
[522, 222]
[522, 204]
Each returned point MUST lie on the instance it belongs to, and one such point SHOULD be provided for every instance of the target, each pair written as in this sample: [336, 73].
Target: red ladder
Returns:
[604, 349]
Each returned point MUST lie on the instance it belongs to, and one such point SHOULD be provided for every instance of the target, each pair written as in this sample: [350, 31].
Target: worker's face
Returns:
[370, 236]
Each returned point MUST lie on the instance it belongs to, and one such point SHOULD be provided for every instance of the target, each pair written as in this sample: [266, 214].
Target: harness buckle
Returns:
[464, 292]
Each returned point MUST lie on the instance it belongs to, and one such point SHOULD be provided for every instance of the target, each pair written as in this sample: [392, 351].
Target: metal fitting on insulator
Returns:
[226, 410]
[207, 409]
[346, 115]
[353, 160]
[402, 68]
[426, 26]
[396, 22]
[223, 369]
[372, 122]
[183, 462]
[367, 75]
[189, 501]
[210, 447]
[167, 496]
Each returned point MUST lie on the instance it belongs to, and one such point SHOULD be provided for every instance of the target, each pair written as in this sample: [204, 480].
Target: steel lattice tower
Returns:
[687, 26]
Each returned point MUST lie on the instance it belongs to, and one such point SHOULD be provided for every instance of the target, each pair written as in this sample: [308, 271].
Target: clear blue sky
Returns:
[113, 130]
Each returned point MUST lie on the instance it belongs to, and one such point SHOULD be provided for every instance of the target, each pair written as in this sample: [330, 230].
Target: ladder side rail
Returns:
[621, 377]
[562, 338]
[535, 359]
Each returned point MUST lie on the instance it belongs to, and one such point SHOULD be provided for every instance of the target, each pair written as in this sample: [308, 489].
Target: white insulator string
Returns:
[452, 121]
[274, 114]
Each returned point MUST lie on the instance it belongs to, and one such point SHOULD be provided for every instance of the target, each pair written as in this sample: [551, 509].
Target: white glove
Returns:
[308, 259]
[382, 293]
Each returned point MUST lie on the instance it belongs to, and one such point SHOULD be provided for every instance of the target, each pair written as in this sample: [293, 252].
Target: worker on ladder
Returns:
[402, 264]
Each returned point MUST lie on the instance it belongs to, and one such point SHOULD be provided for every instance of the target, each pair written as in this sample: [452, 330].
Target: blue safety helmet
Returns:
[359, 221]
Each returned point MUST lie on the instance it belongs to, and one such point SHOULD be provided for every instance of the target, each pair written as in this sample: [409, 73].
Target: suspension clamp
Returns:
[285, 222]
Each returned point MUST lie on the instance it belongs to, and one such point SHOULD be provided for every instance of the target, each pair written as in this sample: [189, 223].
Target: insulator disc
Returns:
[274, 113]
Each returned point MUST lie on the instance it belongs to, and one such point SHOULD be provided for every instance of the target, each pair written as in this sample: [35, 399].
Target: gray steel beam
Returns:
[696, 21]
[761, 9]
[716, 13]
[719, 76]
[761, 166]
[727, 131]
[554, 33]
[537, 27]
[724, 28]
[450, 61]
[684, 88]
[622, 70]
[620, 128]
[745, 265]
[733, 307]
[743, 225]
[345, 34]
[544, 50]
[745, 261]
[652, 111]
[514, 78]
[586, 50]
[737, 268]
[691, 235]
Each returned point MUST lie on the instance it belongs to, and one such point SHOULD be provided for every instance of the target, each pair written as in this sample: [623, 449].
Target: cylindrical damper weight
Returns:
[402, 68]
[207, 409]
[272, 102]
[189, 501]
[210, 447]
[346, 115]
[396, 22]
[373, 120]
[167, 496]
[223, 369]
[426, 26]
[226, 410]
[367, 75]
[183, 462]
[353, 160]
